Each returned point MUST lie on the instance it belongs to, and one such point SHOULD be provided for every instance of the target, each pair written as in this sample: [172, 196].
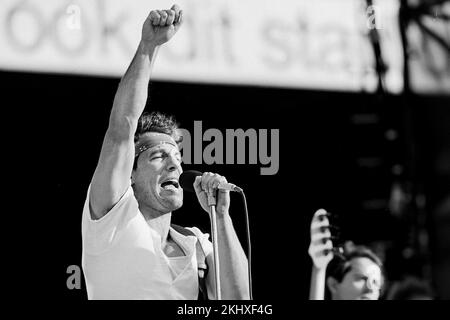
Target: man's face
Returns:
[361, 282]
[156, 179]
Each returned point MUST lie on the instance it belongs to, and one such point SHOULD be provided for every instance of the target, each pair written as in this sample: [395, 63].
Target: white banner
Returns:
[321, 44]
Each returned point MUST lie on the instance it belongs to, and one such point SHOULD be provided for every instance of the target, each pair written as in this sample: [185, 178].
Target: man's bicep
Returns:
[112, 175]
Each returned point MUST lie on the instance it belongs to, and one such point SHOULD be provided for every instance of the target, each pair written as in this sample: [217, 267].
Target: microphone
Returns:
[187, 179]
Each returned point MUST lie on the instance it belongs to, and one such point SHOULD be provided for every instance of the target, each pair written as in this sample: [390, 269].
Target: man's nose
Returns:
[173, 164]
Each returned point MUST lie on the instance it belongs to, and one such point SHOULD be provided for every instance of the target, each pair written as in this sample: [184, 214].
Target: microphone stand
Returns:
[212, 213]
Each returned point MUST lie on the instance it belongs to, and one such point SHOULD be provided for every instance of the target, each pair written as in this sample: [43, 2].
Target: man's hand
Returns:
[320, 248]
[161, 25]
[209, 182]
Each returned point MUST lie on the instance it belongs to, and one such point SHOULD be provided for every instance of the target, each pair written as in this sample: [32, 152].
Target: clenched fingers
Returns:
[211, 181]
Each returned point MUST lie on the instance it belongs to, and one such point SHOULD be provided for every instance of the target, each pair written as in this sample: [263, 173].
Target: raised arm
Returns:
[320, 253]
[113, 172]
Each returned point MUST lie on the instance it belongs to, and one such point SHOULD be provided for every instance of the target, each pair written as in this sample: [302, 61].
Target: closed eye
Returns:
[163, 155]
[358, 277]
[154, 156]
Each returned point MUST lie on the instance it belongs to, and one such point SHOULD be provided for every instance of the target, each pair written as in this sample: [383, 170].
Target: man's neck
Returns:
[159, 222]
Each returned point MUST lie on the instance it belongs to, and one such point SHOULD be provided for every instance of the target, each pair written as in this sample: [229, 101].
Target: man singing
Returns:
[130, 248]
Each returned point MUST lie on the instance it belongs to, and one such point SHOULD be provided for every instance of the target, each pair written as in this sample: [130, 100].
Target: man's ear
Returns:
[332, 284]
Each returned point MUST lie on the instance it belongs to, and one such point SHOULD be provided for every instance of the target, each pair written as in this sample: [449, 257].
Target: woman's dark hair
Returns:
[156, 121]
[340, 264]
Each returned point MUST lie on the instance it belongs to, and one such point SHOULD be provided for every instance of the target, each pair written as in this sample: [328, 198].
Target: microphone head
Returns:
[187, 179]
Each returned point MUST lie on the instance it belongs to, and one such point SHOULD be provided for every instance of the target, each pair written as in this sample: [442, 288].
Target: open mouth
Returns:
[170, 184]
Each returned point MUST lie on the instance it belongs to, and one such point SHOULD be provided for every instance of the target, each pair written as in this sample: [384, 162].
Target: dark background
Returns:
[335, 153]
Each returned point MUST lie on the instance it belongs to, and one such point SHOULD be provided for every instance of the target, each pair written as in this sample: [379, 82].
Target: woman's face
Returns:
[362, 282]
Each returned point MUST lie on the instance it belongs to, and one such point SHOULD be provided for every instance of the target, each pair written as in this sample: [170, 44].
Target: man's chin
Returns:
[173, 204]
[177, 205]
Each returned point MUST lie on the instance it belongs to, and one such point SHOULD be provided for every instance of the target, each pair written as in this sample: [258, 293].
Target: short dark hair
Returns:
[340, 265]
[156, 121]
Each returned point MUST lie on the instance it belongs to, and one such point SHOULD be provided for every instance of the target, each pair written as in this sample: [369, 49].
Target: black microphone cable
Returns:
[249, 246]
